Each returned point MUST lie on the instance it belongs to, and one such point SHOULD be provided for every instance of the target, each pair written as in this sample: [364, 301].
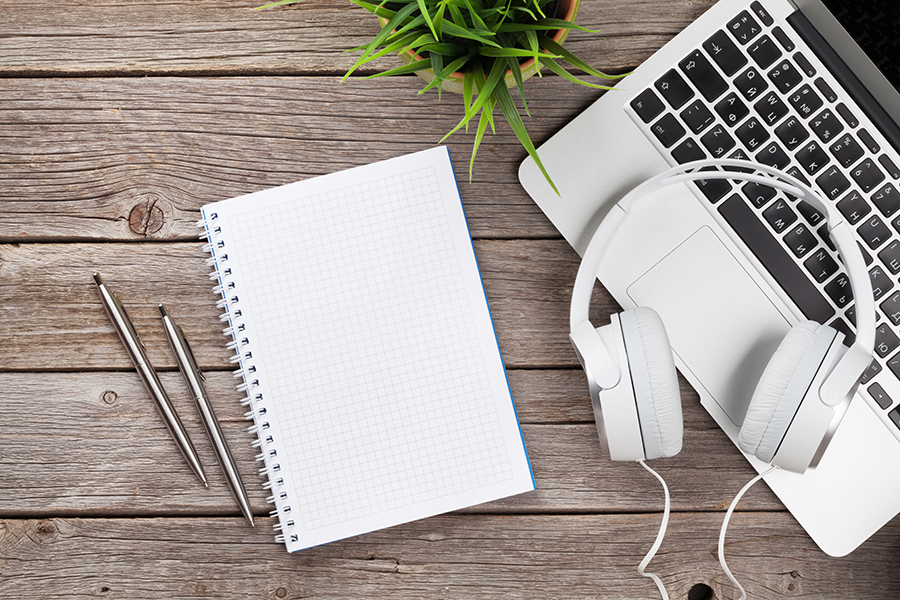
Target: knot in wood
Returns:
[280, 592]
[147, 217]
[45, 528]
[110, 397]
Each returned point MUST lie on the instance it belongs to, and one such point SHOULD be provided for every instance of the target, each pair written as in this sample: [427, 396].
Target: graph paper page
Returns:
[370, 344]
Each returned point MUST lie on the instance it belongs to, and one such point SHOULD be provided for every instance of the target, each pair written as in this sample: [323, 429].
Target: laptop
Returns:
[809, 87]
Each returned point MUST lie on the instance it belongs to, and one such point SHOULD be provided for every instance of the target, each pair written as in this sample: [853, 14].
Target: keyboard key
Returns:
[773, 156]
[890, 257]
[873, 370]
[792, 133]
[841, 326]
[668, 130]
[881, 283]
[825, 125]
[783, 39]
[725, 53]
[820, 265]
[895, 415]
[808, 212]
[805, 101]
[771, 108]
[744, 27]
[800, 240]
[732, 109]
[832, 182]
[886, 341]
[874, 232]
[713, 189]
[797, 174]
[825, 89]
[867, 258]
[805, 65]
[812, 157]
[752, 133]
[889, 166]
[647, 105]
[848, 116]
[847, 150]
[869, 141]
[887, 200]
[758, 193]
[739, 154]
[891, 308]
[764, 52]
[880, 396]
[718, 141]
[825, 236]
[697, 116]
[674, 89]
[761, 13]
[785, 76]
[854, 207]
[838, 289]
[773, 257]
[703, 75]
[750, 83]
[867, 175]
[779, 215]
[688, 151]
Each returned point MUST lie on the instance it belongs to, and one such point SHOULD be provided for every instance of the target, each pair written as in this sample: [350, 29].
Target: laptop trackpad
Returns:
[719, 321]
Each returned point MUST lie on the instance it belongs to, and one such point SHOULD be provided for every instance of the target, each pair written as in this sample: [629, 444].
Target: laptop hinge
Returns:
[846, 78]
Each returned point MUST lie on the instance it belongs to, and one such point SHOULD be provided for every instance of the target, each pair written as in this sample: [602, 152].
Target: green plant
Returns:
[484, 40]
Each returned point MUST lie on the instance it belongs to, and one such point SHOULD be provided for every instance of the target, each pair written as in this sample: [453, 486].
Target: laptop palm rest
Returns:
[707, 300]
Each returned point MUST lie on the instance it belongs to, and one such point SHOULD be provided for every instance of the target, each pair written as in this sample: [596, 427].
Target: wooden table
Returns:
[118, 120]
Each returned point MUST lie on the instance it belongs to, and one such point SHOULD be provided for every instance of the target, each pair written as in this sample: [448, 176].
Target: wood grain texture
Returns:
[454, 557]
[92, 444]
[141, 37]
[48, 292]
[135, 158]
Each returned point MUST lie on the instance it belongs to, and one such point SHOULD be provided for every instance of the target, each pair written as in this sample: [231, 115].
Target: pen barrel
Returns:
[132, 342]
[224, 455]
[170, 417]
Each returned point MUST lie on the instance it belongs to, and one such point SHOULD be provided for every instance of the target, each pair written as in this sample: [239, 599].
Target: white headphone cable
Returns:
[659, 537]
[725, 526]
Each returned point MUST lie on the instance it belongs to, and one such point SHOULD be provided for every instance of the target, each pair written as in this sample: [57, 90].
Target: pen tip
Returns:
[97, 279]
[162, 310]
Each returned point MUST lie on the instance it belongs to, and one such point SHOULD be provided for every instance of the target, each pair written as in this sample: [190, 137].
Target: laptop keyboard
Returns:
[750, 91]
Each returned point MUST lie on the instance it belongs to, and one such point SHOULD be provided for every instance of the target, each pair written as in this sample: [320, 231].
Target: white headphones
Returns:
[803, 392]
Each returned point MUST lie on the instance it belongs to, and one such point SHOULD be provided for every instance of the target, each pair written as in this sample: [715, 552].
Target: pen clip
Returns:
[190, 352]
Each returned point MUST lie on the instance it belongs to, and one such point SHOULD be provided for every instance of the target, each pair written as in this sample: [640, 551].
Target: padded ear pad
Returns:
[782, 386]
[655, 382]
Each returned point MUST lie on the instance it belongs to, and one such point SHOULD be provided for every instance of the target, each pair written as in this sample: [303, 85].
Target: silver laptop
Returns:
[730, 267]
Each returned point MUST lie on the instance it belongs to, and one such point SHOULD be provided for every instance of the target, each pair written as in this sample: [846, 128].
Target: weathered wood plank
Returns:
[470, 556]
[55, 320]
[136, 158]
[93, 444]
[141, 37]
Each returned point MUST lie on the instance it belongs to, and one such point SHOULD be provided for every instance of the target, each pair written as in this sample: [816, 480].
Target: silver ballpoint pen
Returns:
[136, 351]
[194, 380]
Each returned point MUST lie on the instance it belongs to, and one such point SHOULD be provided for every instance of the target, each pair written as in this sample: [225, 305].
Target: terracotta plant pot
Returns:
[565, 9]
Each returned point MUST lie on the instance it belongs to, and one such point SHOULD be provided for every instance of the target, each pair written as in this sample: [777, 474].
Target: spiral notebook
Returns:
[367, 352]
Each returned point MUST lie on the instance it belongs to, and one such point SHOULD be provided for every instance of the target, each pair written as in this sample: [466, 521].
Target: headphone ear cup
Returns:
[781, 388]
[655, 382]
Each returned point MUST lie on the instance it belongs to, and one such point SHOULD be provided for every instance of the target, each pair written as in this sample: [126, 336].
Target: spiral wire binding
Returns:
[240, 344]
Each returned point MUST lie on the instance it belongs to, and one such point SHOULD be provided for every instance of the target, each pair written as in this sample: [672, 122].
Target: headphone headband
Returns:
[858, 357]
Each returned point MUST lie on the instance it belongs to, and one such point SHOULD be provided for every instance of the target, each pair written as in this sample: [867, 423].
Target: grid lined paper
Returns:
[368, 340]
